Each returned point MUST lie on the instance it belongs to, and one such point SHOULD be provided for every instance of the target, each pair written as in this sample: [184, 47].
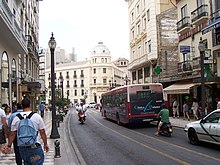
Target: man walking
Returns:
[16, 149]
[42, 107]
[175, 108]
[30, 154]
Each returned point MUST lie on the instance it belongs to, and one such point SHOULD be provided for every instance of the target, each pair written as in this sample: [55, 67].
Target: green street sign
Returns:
[157, 70]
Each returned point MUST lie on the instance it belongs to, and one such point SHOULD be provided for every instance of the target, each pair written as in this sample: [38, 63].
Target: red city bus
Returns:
[134, 103]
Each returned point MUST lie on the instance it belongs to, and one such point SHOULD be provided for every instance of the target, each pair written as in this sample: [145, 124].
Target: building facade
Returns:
[197, 21]
[146, 50]
[87, 79]
[19, 22]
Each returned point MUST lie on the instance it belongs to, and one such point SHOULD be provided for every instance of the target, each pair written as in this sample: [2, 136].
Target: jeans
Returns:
[17, 153]
[32, 156]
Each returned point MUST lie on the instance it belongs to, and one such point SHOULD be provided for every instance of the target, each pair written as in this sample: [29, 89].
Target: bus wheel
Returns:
[118, 120]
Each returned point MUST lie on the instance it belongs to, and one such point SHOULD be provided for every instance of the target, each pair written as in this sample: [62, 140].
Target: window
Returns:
[145, 48]
[82, 83]
[102, 59]
[139, 52]
[105, 60]
[104, 70]
[140, 74]
[82, 92]
[147, 72]
[214, 118]
[148, 15]
[132, 34]
[75, 84]
[184, 11]
[138, 9]
[132, 17]
[200, 2]
[104, 81]
[134, 75]
[94, 70]
[144, 23]
[94, 81]
[149, 46]
[138, 29]
[75, 92]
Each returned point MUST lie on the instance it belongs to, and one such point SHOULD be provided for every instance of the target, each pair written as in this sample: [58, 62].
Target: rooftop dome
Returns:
[100, 49]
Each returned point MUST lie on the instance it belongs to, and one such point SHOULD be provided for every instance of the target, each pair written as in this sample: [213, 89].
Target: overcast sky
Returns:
[83, 23]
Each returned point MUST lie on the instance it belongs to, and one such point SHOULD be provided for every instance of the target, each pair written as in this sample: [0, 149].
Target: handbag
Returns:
[2, 136]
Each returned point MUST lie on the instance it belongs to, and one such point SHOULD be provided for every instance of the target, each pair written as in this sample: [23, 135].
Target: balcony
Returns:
[10, 28]
[135, 63]
[183, 25]
[30, 44]
[200, 15]
[186, 66]
[215, 15]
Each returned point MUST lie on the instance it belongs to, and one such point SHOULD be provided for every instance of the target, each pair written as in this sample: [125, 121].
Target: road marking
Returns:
[146, 146]
[170, 144]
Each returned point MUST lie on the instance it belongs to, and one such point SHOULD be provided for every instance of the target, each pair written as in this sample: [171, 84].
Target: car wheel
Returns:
[193, 138]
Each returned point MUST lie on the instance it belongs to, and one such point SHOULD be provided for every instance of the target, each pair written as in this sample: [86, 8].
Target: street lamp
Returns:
[201, 48]
[54, 131]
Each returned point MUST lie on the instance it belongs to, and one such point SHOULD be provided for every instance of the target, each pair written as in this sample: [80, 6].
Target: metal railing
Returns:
[201, 11]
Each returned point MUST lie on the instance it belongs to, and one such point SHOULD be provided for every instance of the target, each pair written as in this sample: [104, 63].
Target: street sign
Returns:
[210, 61]
[208, 53]
[184, 49]
[157, 70]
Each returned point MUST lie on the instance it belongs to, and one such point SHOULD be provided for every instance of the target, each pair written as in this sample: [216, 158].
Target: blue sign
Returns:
[184, 49]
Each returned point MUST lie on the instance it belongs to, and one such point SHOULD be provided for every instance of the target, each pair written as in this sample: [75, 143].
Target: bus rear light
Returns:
[128, 109]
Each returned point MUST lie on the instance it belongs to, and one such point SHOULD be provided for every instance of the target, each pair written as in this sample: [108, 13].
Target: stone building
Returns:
[87, 79]
[19, 34]
[153, 43]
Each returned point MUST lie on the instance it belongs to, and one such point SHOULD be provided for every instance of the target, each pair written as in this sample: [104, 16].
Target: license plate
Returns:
[147, 120]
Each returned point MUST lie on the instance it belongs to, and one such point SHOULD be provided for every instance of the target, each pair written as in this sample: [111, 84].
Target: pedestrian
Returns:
[175, 108]
[16, 148]
[195, 108]
[3, 129]
[185, 111]
[8, 114]
[42, 107]
[33, 154]
[218, 105]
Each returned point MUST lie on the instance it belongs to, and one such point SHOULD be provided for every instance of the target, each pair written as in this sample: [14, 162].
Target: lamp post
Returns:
[54, 131]
[201, 48]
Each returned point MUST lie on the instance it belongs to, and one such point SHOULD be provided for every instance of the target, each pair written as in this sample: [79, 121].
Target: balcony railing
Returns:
[215, 15]
[74, 76]
[67, 76]
[67, 85]
[82, 75]
[185, 22]
[75, 85]
[199, 12]
[82, 85]
[11, 21]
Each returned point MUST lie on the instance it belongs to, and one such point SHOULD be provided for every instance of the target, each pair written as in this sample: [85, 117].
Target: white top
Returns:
[81, 108]
[36, 119]
[7, 118]
[2, 114]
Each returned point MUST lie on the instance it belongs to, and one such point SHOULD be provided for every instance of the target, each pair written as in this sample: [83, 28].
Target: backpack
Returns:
[26, 133]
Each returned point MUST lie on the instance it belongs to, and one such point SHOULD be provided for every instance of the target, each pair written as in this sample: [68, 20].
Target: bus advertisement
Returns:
[134, 103]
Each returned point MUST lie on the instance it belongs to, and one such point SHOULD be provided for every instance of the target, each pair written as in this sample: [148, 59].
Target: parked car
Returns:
[92, 105]
[206, 129]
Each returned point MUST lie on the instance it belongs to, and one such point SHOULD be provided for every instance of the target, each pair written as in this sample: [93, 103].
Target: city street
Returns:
[101, 141]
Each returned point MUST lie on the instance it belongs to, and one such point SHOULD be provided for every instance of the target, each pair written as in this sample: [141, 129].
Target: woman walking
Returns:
[185, 111]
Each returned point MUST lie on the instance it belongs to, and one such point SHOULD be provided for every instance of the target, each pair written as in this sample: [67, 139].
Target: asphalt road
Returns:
[103, 142]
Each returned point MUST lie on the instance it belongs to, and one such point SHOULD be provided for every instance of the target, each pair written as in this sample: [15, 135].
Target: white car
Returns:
[206, 129]
[92, 105]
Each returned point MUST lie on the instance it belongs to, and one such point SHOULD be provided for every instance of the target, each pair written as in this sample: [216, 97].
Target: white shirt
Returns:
[2, 114]
[35, 118]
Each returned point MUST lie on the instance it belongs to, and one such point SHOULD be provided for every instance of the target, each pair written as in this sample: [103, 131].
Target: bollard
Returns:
[57, 149]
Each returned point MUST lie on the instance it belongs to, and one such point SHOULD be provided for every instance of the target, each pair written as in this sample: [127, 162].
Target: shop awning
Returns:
[178, 88]
[211, 26]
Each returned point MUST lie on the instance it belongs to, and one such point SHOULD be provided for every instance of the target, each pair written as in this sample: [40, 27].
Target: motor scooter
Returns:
[166, 129]
[82, 118]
